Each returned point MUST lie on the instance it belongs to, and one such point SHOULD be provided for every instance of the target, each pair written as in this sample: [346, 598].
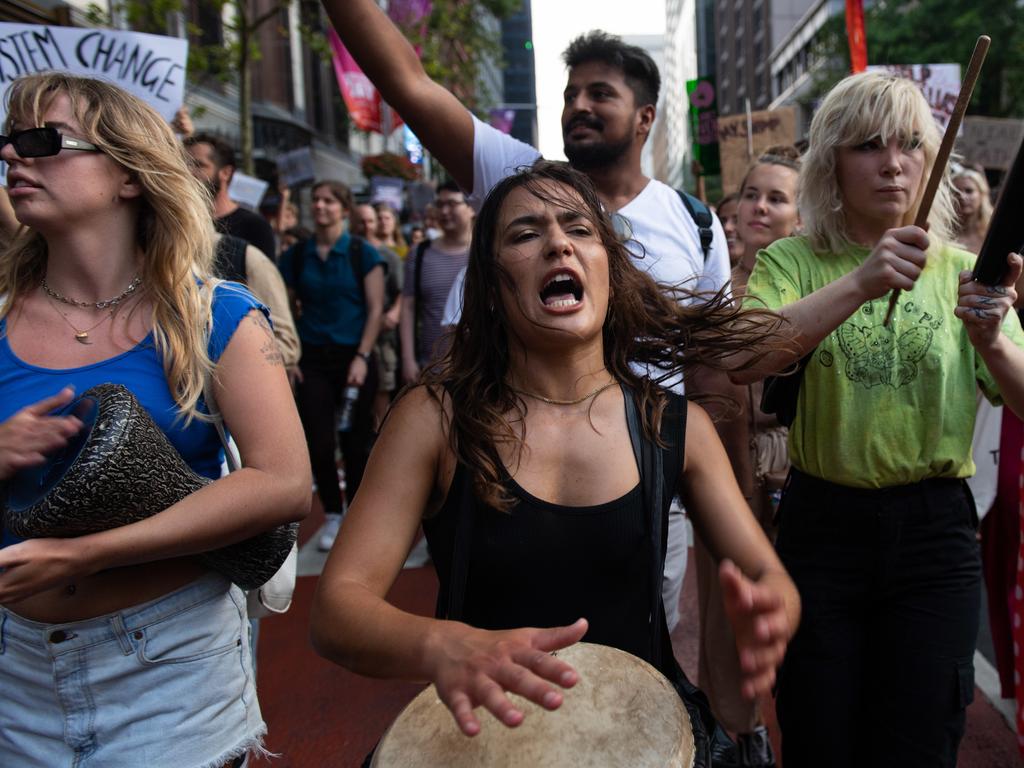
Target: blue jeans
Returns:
[881, 669]
[165, 683]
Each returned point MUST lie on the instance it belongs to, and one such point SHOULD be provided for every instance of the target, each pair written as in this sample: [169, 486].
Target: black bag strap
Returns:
[702, 217]
[230, 259]
[659, 469]
[421, 249]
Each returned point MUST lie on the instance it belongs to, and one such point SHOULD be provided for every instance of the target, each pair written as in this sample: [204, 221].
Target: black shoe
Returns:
[755, 750]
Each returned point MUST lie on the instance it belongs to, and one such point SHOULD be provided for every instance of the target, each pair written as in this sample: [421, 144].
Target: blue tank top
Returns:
[141, 370]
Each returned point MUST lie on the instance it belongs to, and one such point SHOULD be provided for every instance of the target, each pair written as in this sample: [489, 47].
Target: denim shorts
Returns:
[164, 683]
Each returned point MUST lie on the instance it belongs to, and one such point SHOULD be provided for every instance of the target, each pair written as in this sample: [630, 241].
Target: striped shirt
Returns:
[439, 271]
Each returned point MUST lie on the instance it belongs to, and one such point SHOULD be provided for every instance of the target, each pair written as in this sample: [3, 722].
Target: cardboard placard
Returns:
[774, 126]
[990, 141]
[247, 191]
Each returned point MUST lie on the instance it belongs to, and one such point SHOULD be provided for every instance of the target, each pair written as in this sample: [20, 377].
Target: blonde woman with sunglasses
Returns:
[119, 648]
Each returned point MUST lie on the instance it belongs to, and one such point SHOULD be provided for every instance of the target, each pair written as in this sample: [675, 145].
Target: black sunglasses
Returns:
[43, 142]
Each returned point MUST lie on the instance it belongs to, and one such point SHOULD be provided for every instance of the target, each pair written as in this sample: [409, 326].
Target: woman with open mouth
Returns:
[528, 443]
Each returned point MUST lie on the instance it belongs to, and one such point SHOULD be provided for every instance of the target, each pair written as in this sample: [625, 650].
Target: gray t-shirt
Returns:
[439, 271]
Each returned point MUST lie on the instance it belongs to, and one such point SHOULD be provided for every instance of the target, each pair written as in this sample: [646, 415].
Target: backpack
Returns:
[702, 217]
[418, 294]
[229, 259]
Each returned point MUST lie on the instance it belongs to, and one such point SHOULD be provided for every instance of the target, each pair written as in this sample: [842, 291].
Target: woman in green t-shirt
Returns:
[877, 527]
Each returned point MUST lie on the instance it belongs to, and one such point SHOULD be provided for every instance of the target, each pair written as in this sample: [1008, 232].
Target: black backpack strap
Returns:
[421, 249]
[652, 492]
[230, 259]
[355, 260]
[702, 217]
[298, 253]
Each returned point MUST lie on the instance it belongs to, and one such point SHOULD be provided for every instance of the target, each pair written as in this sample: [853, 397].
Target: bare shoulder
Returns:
[702, 441]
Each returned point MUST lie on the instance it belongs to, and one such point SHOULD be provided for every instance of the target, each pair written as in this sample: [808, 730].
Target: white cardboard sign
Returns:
[151, 67]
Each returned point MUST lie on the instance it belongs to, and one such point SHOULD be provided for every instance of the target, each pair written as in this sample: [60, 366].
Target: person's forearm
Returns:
[1005, 361]
[370, 330]
[232, 509]
[811, 318]
[367, 635]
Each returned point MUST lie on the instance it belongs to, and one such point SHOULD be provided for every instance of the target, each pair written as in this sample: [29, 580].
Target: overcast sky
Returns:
[555, 23]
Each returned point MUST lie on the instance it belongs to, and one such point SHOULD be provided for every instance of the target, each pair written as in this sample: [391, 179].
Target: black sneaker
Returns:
[755, 750]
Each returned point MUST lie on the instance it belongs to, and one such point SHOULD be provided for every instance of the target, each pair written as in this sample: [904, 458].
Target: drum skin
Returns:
[122, 471]
[622, 712]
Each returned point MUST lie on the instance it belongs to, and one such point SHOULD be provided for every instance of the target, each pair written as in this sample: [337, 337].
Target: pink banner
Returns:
[364, 104]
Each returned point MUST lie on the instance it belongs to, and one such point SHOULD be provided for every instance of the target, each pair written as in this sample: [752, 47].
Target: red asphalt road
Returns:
[320, 715]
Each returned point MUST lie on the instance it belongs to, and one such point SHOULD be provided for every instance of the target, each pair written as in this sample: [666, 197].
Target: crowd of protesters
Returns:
[543, 331]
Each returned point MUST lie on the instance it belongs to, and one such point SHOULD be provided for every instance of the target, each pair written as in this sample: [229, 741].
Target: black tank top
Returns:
[544, 565]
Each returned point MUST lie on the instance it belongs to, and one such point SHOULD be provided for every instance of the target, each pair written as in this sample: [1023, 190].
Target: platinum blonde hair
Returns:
[859, 108]
[174, 228]
[985, 208]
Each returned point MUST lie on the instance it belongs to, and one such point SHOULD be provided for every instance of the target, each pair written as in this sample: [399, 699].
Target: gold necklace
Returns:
[82, 337]
[577, 401]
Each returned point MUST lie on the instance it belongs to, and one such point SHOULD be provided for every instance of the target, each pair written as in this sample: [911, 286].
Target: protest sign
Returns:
[296, 167]
[385, 189]
[703, 123]
[940, 84]
[775, 126]
[992, 142]
[151, 67]
[246, 190]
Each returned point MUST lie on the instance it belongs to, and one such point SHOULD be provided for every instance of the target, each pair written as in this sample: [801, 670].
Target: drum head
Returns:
[30, 485]
[621, 712]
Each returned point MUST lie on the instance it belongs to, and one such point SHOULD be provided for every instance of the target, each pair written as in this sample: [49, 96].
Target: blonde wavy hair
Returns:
[859, 108]
[174, 227]
[985, 208]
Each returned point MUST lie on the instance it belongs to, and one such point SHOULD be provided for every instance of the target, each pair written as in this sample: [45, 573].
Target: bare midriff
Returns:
[108, 591]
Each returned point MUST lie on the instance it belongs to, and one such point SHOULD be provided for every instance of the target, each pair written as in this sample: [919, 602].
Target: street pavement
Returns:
[320, 715]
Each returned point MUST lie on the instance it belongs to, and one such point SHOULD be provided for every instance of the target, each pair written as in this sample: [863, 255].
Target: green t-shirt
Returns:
[882, 406]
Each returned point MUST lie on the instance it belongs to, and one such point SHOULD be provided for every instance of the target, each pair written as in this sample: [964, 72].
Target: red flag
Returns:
[855, 35]
[362, 100]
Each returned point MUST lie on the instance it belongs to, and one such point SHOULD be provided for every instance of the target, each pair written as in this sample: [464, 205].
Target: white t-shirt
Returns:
[666, 240]
[453, 304]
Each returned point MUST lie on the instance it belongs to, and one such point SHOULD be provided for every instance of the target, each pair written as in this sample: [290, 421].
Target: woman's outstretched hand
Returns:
[762, 623]
[475, 667]
[32, 432]
[982, 308]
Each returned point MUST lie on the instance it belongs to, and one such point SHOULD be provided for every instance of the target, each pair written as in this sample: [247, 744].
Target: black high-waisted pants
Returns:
[324, 371]
[881, 669]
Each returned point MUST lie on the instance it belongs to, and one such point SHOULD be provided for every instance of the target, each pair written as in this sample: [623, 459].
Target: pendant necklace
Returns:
[82, 336]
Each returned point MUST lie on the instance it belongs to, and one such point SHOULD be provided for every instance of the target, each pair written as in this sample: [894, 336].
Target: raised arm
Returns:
[760, 599]
[353, 624]
[437, 118]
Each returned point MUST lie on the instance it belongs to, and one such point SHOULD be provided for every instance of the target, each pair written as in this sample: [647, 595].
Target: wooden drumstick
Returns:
[939, 169]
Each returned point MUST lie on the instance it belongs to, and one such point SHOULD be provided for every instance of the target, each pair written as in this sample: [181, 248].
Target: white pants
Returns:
[675, 565]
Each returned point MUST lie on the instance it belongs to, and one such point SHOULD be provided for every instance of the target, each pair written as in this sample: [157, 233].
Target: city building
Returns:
[794, 60]
[742, 44]
[669, 146]
[519, 75]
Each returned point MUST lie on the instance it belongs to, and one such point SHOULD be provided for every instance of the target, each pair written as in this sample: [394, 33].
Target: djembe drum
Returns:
[622, 712]
[118, 469]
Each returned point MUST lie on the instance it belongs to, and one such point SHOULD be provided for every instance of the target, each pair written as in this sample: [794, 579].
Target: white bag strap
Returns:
[231, 456]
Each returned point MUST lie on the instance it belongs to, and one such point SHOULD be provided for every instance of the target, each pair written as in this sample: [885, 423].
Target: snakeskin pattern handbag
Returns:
[119, 469]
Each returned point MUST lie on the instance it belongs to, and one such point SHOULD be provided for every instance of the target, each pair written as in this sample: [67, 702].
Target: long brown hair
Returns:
[663, 327]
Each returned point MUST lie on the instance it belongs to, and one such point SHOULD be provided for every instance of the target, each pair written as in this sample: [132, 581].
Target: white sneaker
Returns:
[329, 532]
